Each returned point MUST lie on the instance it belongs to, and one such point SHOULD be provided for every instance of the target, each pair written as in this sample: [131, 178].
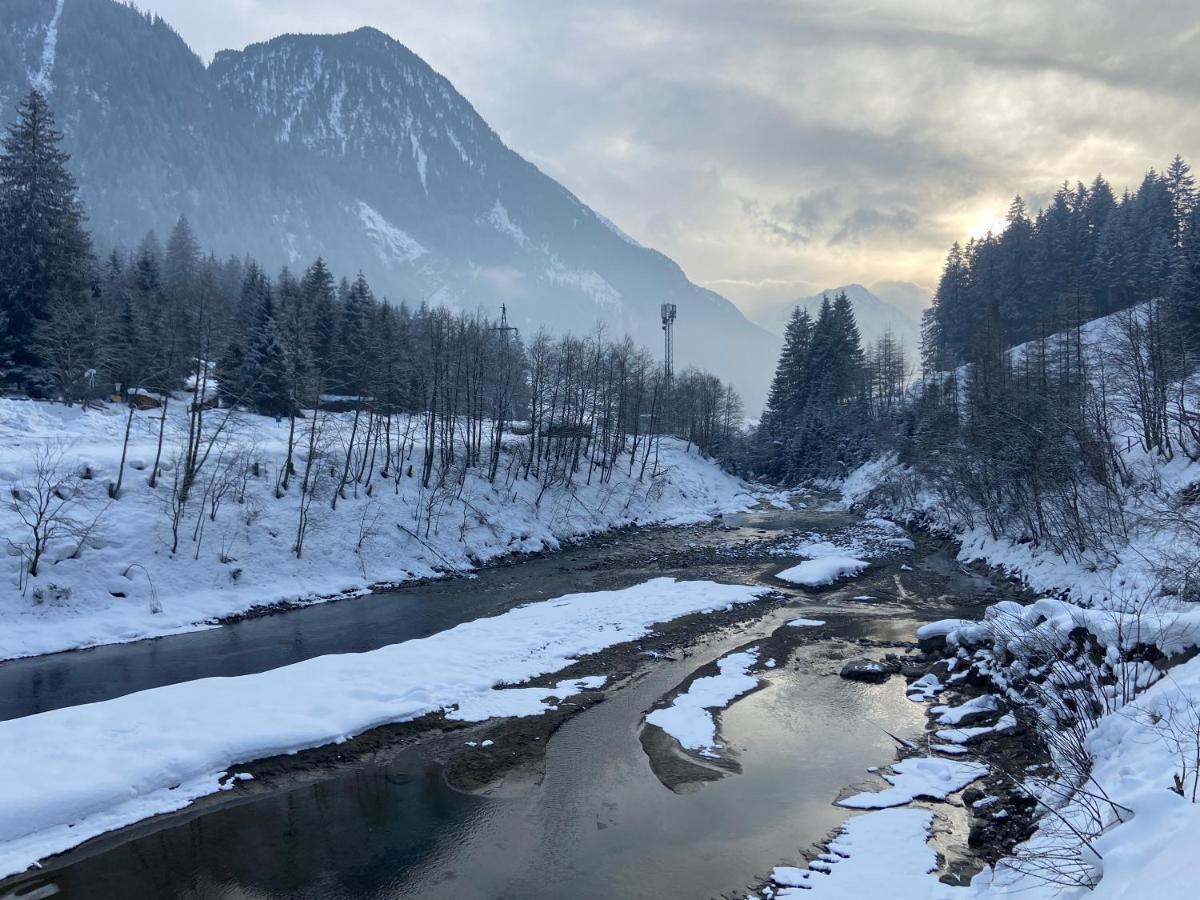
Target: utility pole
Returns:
[502, 412]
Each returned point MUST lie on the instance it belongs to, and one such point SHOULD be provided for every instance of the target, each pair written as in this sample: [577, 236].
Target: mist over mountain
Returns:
[911, 299]
[352, 148]
[874, 315]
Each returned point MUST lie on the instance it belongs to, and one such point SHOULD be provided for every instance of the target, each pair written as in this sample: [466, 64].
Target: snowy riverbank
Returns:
[158, 750]
[236, 550]
[1106, 671]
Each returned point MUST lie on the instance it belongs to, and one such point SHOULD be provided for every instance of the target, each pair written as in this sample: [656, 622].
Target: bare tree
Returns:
[45, 505]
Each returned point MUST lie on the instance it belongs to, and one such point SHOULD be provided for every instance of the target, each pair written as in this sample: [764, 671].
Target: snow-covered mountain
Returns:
[351, 147]
[874, 315]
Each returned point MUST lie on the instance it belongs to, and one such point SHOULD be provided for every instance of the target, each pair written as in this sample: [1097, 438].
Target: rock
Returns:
[867, 670]
[970, 795]
[912, 669]
[934, 645]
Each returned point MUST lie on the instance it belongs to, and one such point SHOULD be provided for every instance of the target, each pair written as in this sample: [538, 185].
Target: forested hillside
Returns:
[1018, 433]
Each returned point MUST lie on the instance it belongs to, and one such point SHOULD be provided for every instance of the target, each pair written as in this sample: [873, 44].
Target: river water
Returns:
[599, 824]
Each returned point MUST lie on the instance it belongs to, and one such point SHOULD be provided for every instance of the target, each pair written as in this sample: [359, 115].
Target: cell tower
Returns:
[668, 325]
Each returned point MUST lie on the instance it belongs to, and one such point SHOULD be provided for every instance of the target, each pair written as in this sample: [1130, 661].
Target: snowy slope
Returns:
[243, 557]
[1144, 751]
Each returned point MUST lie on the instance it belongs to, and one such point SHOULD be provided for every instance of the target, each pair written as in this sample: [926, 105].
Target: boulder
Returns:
[868, 670]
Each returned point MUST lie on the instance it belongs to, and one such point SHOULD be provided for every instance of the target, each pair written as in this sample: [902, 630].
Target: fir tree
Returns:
[266, 372]
[45, 253]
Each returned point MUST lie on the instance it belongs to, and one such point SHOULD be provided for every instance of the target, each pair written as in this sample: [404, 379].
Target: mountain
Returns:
[874, 316]
[349, 147]
[911, 299]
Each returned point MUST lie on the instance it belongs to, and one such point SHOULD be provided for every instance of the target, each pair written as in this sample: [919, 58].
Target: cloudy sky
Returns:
[777, 147]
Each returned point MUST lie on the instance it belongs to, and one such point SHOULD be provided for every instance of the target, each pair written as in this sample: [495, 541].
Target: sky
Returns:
[775, 149]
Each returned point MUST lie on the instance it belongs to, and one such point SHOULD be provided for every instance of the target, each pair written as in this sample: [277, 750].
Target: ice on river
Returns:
[70, 774]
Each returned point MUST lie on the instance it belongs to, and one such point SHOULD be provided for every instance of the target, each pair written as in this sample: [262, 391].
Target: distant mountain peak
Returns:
[875, 316]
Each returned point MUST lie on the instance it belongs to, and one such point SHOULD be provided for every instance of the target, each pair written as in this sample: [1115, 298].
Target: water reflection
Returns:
[599, 826]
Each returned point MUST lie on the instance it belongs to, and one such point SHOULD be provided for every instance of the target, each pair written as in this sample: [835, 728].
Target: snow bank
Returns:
[823, 570]
[953, 715]
[690, 718]
[70, 774]
[879, 855]
[244, 555]
[928, 778]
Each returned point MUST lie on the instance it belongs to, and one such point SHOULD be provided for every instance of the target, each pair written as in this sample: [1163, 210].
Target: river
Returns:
[597, 824]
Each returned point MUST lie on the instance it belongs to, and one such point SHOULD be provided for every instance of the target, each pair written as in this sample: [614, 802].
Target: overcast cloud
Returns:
[776, 148]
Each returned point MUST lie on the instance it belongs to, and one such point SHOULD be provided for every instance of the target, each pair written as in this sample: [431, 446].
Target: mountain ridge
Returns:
[354, 148]
[874, 315]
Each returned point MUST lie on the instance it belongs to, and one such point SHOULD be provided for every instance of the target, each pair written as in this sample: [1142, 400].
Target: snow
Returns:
[925, 688]
[689, 718]
[941, 628]
[587, 281]
[1007, 722]
[245, 557]
[823, 570]
[43, 78]
[929, 778]
[879, 855]
[805, 623]
[392, 244]
[103, 765]
[952, 715]
[499, 219]
[420, 158]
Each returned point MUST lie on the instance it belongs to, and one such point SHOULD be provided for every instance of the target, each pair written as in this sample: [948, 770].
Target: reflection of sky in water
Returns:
[600, 826]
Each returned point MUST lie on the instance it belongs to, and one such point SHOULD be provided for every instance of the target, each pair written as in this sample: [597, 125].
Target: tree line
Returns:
[830, 395]
[362, 383]
[1053, 351]
[1087, 254]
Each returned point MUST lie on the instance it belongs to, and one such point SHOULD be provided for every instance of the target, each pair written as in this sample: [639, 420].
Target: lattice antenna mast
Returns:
[504, 328]
[668, 326]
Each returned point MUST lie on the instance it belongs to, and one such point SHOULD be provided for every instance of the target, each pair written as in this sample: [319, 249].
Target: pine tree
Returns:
[353, 337]
[1185, 285]
[1181, 185]
[784, 400]
[267, 380]
[320, 299]
[45, 253]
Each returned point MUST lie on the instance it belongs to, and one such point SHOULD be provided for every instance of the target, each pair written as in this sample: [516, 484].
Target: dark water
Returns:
[599, 825]
[29, 686]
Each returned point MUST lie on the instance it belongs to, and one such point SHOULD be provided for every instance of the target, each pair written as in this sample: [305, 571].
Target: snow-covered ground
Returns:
[70, 774]
[105, 590]
[1149, 848]
[691, 717]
